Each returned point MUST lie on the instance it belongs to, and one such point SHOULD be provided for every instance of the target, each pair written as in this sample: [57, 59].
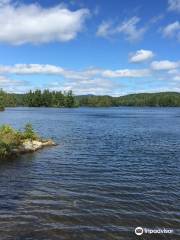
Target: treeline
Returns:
[38, 98]
[163, 99]
[48, 98]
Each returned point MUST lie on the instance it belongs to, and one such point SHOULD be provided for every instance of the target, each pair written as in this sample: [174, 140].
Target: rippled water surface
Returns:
[114, 169]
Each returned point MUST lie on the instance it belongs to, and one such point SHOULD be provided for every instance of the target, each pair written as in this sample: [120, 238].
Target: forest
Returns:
[163, 99]
[48, 98]
[37, 98]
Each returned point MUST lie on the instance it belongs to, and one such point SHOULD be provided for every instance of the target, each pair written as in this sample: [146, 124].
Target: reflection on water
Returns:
[113, 170]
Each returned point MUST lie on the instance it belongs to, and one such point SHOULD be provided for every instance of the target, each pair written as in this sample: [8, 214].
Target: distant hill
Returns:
[162, 99]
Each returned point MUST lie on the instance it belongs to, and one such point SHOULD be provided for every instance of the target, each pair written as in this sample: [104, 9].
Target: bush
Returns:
[29, 132]
[11, 138]
[4, 150]
[1, 104]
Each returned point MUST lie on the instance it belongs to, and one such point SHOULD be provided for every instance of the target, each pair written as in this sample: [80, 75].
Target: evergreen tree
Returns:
[1, 103]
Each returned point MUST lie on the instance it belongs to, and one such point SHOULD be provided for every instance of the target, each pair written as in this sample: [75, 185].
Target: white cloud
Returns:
[176, 78]
[174, 5]
[104, 29]
[141, 56]
[164, 65]
[156, 19]
[4, 2]
[174, 74]
[129, 28]
[31, 69]
[12, 85]
[172, 30]
[5, 81]
[126, 73]
[91, 80]
[99, 86]
[71, 74]
[34, 24]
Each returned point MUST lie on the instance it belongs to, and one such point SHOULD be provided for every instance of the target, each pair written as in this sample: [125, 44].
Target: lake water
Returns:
[114, 169]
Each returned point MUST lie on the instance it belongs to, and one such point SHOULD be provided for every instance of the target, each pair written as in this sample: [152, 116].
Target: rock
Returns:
[48, 143]
[33, 145]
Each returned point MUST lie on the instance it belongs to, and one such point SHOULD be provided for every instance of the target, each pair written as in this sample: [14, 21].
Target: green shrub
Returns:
[11, 138]
[4, 150]
[1, 104]
[29, 132]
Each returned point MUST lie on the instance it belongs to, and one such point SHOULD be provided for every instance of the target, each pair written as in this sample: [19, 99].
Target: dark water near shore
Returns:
[113, 170]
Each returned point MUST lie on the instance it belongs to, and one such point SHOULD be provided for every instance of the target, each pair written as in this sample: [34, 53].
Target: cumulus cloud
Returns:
[88, 81]
[164, 65]
[126, 73]
[174, 5]
[31, 69]
[141, 56]
[91, 80]
[174, 74]
[12, 85]
[33, 24]
[99, 86]
[128, 28]
[72, 74]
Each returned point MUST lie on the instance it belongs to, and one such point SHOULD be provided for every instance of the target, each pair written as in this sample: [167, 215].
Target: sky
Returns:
[112, 47]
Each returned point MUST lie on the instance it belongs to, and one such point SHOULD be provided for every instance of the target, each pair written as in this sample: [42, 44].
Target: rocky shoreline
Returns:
[29, 146]
[15, 142]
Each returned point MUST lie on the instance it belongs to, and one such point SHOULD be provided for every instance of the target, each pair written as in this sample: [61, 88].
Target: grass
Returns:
[11, 138]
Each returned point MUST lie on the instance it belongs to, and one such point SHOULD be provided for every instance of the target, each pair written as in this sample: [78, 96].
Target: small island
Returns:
[14, 142]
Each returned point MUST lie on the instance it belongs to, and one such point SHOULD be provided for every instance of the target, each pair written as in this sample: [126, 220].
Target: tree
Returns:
[69, 100]
[1, 103]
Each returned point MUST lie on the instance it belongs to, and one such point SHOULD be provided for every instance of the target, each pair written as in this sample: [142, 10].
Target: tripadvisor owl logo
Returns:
[139, 231]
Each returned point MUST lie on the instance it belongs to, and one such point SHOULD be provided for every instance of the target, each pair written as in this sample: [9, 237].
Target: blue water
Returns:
[114, 169]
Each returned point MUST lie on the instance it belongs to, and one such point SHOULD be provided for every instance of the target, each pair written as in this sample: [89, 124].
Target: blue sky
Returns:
[101, 47]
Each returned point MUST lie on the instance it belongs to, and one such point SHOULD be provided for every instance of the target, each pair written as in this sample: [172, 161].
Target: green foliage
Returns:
[69, 99]
[164, 99]
[4, 150]
[11, 138]
[37, 98]
[7, 99]
[29, 132]
[47, 98]
[1, 103]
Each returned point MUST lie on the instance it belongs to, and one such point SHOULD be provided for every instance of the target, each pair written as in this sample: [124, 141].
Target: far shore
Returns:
[57, 99]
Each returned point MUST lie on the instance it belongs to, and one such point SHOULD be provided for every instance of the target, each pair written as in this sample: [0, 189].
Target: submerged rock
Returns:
[33, 145]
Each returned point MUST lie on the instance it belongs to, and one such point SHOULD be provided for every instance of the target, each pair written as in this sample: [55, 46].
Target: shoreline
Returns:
[30, 146]
[14, 142]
